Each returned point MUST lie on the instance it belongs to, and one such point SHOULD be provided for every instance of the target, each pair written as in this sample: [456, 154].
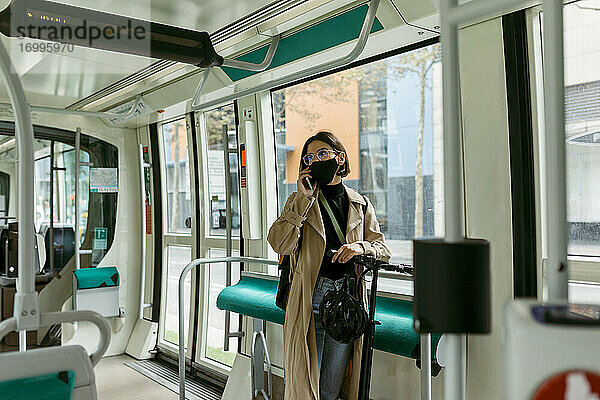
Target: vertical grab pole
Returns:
[455, 375]
[425, 366]
[452, 136]
[554, 120]
[181, 328]
[227, 229]
[26, 308]
[51, 235]
[22, 341]
[77, 166]
[143, 226]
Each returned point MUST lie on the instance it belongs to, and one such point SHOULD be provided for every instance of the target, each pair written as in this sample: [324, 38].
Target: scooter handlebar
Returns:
[370, 262]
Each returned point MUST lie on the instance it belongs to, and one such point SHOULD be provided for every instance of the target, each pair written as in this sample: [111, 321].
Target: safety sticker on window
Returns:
[104, 180]
[100, 238]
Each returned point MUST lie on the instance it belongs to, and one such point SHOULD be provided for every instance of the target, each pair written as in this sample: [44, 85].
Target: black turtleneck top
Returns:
[338, 201]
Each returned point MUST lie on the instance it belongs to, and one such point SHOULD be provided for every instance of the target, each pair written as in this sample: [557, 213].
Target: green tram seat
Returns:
[48, 373]
[97, 289]
[255, 297]
[56, 386]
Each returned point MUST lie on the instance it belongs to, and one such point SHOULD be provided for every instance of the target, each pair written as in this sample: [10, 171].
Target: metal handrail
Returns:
[329, 65]
[228, 244]
[99, 114]
[27, 316]
[51, 318]
[77, 168]
[200, 86]
[252, 66]
[143, 166]
[186, 270]
[239, 65]
[26, 299]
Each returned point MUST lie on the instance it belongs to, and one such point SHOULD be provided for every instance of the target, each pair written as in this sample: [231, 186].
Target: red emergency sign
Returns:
[570, 385]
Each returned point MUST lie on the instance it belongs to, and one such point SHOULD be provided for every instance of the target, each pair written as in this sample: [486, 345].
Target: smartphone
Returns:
[308, 182]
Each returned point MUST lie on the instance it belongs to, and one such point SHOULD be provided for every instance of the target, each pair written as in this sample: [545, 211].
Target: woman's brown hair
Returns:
[335, 143]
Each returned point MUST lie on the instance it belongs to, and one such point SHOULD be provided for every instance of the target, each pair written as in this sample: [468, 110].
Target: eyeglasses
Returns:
[321, 155]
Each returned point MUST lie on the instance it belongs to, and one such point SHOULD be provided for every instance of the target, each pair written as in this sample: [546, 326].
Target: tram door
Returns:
[178, 231]
[216, 147]
[194, 150]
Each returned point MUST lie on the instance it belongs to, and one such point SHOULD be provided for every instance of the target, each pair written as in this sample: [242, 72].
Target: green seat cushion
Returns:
[396, 334]
[255, 297]
[55, 386]
[91, 278]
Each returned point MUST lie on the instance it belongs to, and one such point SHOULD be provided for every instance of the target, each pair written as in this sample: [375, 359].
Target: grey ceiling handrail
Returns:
[239, 65]
[99, 114]
[182, 276]
[351, 56]
[252, 66]
[200, 86]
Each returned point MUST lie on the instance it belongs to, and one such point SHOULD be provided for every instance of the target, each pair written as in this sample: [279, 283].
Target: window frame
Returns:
[385, 279]
[582, 268]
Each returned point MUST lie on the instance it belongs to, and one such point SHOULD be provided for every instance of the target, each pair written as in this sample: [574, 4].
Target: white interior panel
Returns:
[487, 189]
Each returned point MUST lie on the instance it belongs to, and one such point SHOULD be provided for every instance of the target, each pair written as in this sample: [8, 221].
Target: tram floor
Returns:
[116, 381]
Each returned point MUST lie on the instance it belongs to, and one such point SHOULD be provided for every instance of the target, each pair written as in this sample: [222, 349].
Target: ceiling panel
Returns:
[202, 15]
[59, 79]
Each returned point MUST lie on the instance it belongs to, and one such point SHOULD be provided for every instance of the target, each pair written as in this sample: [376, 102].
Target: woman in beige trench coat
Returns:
[363, 236]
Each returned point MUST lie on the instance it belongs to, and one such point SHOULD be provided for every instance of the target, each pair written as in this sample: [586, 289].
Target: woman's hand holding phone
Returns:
[305, 183]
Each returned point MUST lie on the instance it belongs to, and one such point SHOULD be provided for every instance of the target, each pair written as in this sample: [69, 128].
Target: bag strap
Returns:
[336, 226]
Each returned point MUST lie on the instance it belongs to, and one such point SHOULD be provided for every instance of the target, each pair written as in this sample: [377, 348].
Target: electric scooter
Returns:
[373, 265]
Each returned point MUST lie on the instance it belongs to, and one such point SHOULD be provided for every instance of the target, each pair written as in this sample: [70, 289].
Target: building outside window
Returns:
[388, 115]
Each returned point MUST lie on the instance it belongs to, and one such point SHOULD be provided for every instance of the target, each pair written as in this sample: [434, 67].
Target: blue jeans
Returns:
[332, 355]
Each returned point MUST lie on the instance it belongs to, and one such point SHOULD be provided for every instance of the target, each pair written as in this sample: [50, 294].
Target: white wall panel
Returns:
[487, 188]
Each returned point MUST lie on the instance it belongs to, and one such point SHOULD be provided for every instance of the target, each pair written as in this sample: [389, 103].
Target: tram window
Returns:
[214, 122]
[388, 115]
[177, 258]
[179, 199]
[97, 210]
[582, 125]
[216, 318]
[64, 186]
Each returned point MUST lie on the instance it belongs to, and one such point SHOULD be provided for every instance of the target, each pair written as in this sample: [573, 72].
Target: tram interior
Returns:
[143, 164]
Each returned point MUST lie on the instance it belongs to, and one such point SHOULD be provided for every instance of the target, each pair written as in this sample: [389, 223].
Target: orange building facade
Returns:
[339, 116]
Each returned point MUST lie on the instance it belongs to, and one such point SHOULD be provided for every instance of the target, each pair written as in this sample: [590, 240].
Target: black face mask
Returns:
[324, 171]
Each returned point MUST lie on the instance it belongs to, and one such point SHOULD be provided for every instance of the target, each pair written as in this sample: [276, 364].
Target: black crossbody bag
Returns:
[285, 278]
[342, 313]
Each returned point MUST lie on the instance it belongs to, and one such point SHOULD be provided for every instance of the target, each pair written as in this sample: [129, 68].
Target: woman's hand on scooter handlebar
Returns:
[362, 259]
[347, 252]
[370, 262]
